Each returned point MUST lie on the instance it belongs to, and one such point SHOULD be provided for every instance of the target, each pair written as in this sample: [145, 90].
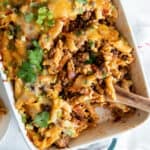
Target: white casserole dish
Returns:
[4, 119]
[105, 129]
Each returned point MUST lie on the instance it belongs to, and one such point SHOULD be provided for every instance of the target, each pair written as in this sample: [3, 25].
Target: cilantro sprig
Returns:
[91, 59]
[91, 43]
[26, 72]
[45, 17]
[82, 1]
[24, 118]
[29, 17]
[32, 66]
[41, 119]
[4, 3]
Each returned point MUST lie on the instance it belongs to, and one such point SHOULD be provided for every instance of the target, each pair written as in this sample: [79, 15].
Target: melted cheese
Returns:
[62, 8]
[93, 34]
[99, 6]
[99, 2]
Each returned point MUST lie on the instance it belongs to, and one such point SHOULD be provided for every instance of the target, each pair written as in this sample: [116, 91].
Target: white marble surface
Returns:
[138, 12]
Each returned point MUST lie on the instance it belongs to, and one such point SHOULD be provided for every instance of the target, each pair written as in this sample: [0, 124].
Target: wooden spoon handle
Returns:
[132, 100]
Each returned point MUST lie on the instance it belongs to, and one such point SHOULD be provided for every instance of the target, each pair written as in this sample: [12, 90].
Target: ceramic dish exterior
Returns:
[4, 119]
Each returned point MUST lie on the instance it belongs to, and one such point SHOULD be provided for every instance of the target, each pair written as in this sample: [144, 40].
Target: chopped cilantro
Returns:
[49, 15]
[41, 119]
[35, 44]
[79, 32]
[35, 56]
[85, 81]
[80, 11]
[4, 3]
[26, 72]
[24, 118]
[91, 43]
[45, 17]
[40, 20]
[42, 10]
[91, 60]
[104, 75]
[82, 1]
[29, 17]
[50, 23]
[90, 72]
[59, 113]
[70, 132]
[31, 67]
[34, 4]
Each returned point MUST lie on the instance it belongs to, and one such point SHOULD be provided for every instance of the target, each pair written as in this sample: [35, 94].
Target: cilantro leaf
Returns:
[24, 118]
[35, 56]
[91, 43]
[4, 3]
[50, 23]
[41, 119]
[50, 15]
[35, 44]
[42, 14]
[45, 17]
[40, 19]
[26, 72]
[70, 132]
[104, 75]
[42, 10]
[31, 67]
[91, 60]
[29, 17]
[78, 32]
[82, 1]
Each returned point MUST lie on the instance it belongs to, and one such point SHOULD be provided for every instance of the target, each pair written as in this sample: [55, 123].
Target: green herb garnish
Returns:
[41, 119]
[45, 17]
[59, 113]
[82, 1]
[90, 72]
[4, 3]
[50, 23]
[70, 132]
[78, 32]
[91, 59]
[34, 4]
[80, 11]
[91, 43]
[30, 68]
[49, 15]
[104, 75]
[24, 118]
[27, 73]
[85, 81]
[35, 44]
[29, 17]
[35, 57]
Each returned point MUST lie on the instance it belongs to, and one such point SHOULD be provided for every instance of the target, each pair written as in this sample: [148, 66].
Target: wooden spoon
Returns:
[132, 99]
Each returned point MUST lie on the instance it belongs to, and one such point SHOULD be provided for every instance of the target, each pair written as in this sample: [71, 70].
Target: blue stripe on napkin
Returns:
[113, 144]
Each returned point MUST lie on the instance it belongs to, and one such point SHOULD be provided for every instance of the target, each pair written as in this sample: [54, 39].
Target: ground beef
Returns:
[63, 142]
[81, 22]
